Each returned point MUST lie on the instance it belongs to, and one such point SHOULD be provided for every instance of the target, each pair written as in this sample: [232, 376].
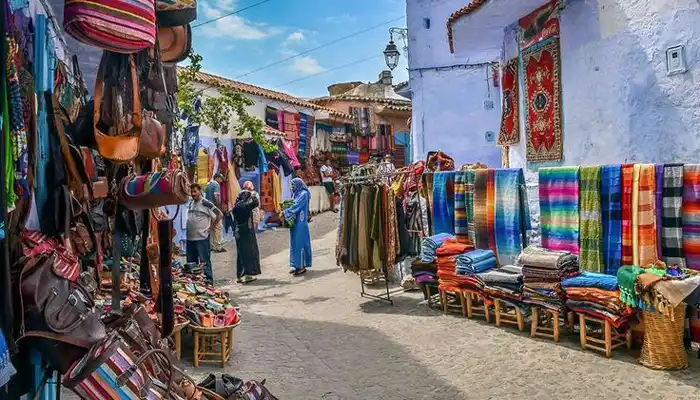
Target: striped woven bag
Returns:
[121, 26]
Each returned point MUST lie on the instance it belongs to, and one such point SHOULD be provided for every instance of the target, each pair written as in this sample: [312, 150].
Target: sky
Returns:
[235, 46]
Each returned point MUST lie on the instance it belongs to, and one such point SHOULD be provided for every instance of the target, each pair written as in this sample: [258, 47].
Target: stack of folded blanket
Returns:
[596, 295]
[543, 271]
[476, 261]
[431, 244]
[425, 274]
[447, 264]
[505, 282]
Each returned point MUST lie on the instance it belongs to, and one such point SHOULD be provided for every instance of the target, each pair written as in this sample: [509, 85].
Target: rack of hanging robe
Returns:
[375, 232]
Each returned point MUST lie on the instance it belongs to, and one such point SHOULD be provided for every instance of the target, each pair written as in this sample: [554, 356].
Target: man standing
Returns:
[327, 180]
[213, 194]
[202, 217]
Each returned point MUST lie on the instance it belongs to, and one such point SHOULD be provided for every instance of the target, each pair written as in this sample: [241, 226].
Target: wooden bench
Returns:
[508, 314]
[604, 339]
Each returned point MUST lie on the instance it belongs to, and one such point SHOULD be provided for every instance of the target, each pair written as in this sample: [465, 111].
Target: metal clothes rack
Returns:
[386, 296]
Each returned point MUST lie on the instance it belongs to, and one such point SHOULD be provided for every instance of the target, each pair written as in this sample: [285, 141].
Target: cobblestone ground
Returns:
[314, 337]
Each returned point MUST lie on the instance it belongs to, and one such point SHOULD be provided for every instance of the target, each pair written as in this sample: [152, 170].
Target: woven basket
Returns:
[663, 340]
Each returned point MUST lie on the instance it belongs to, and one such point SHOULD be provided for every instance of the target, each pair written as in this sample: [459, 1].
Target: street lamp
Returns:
[391, 55]
[391, 52]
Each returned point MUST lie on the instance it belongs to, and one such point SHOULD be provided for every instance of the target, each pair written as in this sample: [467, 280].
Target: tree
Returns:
[217, 112]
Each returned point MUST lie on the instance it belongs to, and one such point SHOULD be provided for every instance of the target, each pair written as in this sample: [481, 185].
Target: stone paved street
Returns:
[314, 337]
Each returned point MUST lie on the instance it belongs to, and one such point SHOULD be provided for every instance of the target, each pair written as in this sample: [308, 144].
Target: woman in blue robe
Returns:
[299, 236]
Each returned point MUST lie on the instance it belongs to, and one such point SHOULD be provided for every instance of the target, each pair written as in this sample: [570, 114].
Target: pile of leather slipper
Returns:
[232, 388]
[202, 304]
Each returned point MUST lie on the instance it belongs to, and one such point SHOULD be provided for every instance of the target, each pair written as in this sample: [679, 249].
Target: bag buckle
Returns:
[73, 300]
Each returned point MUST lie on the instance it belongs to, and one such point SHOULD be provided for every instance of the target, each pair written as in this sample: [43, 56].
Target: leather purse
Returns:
[156, 189]
[119, 148]
[152, 143]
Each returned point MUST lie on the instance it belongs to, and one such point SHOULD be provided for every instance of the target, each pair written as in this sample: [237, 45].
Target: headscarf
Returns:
[298, 187]
[248, 185]
[243, 197]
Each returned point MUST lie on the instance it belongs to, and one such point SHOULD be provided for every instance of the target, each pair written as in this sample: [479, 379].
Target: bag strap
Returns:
[59, 338]
[99, 94]
[126, 375]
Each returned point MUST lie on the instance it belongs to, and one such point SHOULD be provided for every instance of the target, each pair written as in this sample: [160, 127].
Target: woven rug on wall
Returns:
[542, 69]
[510, 117]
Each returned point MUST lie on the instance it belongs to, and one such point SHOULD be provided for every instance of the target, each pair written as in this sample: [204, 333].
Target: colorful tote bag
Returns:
[121, 26]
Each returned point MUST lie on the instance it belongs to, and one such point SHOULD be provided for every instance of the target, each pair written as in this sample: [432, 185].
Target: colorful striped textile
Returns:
[636, 169]
[480, 219]
[512, 214]
[470, 176]
[611, 210]
[559, 208]
[491, 209]
[646, 215]
[461, 228]
[443, 202]
[659, 202]
[691, 215]
[627, 182]
[590, 225]
[672, 221]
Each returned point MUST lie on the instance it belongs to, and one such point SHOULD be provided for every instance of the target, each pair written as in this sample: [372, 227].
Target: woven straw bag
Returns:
[121, 26]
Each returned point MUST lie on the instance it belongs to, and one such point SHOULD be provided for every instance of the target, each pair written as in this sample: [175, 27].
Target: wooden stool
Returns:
[460, 308]
[550, 323]
[508, 314]
[611, 338]
[177, 337]
[476, 305]
[212, 345]
[434, 299]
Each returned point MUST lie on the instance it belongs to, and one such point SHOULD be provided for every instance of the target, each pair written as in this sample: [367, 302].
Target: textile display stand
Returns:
[384, 271]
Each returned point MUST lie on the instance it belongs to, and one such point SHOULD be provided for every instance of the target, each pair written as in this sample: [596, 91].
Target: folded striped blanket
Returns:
[476, 267]
[536, 256]
[591, 224]
[591, 280]
[559, 202]
[512, 214]
[672, 218]
[627, 189]
[611, 210]
[646, 216]
[691, 215]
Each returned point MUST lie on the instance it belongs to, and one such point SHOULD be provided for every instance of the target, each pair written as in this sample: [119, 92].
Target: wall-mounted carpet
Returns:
[510, 114]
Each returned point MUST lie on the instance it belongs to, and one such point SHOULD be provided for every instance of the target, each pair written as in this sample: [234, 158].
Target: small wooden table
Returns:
[177, 337]
[212, 345]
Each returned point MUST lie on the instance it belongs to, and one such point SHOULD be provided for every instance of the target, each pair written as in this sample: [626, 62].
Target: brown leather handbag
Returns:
[123, 146]
[166, 187]
[152, 143]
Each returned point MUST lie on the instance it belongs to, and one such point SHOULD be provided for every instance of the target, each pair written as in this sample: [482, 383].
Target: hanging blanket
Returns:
[591, 280]
[559, 203]
[443, 202]
[461, 227]
[469, 177]
[646, 216]
[672, 221]
[611, 209]
[659, 202]
[627, 183]
[481, 232]
[512, 214]
[491, 209]
[510, 121]
[591, 255]
[691, 215]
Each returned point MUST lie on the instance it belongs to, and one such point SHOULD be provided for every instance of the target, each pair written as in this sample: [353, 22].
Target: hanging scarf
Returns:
[627, 183]
[461, 228]
[691, 215]
[659, 202]
[559, 202]
[480, 206]
[443, 202]
[512, 216]
[672, 221]
[611, 207]
[646, 215]
[591, 255]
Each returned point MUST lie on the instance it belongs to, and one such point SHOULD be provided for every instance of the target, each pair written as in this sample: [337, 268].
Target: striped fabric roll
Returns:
[672, 221]
[559, 201]
[646, 215]
[491, 209]
[627, 182]
[461, 228]
[480, 206]
[591, 255]
[691, 215]
[611, 209]
[121, 26]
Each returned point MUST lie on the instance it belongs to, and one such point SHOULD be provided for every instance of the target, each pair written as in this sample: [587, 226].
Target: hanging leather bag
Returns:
[121, 26]
[124, 146]
[176, 12]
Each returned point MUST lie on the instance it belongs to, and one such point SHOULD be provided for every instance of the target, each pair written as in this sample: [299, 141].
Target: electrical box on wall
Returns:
[675, 60]
[488, 105]
[490, 136]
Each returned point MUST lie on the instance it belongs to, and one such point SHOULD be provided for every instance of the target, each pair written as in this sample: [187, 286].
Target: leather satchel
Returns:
[152, 143]
[57, 311]
[156, 189]
[123, 146]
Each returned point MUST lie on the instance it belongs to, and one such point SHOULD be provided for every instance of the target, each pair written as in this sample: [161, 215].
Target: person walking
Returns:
[213, 194]
[202, 217]
[299, 236]
[327, 181]
[247, 252]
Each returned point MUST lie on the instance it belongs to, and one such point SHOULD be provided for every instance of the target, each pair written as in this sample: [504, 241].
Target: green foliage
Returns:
[218, 112]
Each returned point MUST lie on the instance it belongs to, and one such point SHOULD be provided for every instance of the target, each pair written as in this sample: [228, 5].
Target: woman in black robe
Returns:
[247, 253]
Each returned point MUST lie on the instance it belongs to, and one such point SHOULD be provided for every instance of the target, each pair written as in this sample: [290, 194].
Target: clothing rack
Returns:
[386, 296]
